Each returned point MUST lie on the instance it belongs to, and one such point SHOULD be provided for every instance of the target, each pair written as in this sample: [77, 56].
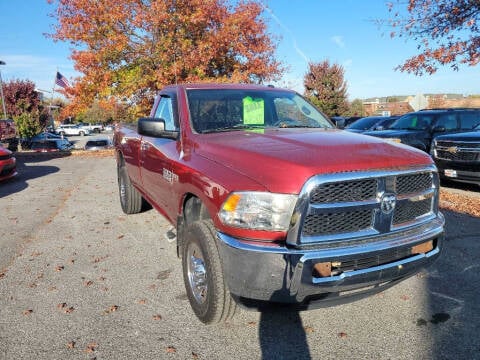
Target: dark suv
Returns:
[419, 128]
[458, 156]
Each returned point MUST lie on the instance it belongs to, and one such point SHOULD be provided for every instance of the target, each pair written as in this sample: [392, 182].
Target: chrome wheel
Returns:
[123, 190]
[197, 273]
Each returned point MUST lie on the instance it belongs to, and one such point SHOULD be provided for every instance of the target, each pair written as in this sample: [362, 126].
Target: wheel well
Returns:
[120, 160]
[193, 210]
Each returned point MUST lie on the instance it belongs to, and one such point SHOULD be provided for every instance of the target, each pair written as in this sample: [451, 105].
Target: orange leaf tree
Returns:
[447, 33]
[129, 49]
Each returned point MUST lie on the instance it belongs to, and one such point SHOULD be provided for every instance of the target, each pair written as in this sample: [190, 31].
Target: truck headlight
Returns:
[258, 210]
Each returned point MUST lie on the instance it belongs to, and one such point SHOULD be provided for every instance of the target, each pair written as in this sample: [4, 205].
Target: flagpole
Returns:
[50, 112]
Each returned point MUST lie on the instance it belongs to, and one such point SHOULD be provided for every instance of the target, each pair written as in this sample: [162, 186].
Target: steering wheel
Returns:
[285, 122]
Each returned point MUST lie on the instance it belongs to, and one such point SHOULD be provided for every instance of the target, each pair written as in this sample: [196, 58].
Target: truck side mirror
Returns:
[437, 129]
[155, 127]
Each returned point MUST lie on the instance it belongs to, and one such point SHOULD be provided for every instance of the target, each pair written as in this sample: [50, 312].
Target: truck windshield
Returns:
[231, 109]
[413, 122]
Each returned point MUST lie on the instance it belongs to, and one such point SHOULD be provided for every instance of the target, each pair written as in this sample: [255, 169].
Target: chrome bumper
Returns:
[285, 275]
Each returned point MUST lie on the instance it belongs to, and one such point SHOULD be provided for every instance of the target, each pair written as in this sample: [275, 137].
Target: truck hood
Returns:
[467, 136]
[393, 133]
[282, 160]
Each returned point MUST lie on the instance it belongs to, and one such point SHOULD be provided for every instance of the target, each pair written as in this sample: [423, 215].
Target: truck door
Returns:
[157, 156]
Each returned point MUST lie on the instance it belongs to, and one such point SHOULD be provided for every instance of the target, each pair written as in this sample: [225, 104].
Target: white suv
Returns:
[71, 129]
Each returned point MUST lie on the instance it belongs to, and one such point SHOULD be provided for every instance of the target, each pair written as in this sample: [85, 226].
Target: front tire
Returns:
[130, 198]
[203, 276]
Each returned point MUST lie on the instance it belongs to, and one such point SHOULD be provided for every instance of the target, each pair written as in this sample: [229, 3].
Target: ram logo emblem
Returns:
[387, 204]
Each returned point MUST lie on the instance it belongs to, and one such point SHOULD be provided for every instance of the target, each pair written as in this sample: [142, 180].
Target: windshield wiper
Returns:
[233, 128]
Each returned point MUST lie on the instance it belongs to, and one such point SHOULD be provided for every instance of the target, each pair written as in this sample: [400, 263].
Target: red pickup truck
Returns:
[272, 204]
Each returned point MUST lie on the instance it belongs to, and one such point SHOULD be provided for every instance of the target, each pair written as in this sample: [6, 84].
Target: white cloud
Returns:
[347, 63]
[337, 39]
[287, 30]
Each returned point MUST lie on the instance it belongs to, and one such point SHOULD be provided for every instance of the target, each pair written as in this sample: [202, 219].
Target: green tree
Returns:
[28, 124]
[356, 108]
[326, 88]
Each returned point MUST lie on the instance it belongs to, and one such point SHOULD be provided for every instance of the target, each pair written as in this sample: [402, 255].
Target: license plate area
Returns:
[450, 173]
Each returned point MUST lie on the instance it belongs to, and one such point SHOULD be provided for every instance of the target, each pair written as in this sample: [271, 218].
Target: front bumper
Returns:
[8, 169]
[286, 275]
[465, 171]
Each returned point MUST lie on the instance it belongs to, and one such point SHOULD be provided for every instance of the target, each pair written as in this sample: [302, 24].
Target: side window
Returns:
[424, 122]
[165, 112]
[469, 120]
[448, 121]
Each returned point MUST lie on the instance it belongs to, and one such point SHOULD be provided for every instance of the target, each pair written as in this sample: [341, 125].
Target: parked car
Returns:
[45, 136]
[8, 134]
[51, 145]
[339, 121]
[418, 129]
[109, 128]
[71, 129]
[8, 164]
[93, 128]
[98, 144]
[457, 156]
[371, 123]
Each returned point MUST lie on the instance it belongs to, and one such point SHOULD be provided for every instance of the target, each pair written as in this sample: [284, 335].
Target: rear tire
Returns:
[203, 276]
[130, 199]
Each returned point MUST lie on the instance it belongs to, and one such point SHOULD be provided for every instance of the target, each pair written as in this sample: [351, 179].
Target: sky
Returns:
[342, 31]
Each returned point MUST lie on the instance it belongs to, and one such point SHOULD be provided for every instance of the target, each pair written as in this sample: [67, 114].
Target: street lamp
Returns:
[1, 91]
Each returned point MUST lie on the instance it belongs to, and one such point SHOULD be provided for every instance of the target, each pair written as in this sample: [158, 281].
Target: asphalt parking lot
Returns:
[81, 280]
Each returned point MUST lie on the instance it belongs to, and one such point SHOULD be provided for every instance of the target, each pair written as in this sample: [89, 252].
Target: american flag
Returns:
[61, 80]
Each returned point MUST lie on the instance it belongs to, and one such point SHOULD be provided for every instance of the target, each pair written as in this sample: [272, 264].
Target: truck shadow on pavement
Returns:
[275, 327]
[453, 286]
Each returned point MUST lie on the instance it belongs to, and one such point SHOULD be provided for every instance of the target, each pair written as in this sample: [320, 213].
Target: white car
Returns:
[71, 129]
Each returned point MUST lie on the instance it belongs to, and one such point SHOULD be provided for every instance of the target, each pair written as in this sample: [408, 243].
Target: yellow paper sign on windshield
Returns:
[253, 111]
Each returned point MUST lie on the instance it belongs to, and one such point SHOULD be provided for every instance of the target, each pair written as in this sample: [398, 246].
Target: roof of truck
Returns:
[225, 86]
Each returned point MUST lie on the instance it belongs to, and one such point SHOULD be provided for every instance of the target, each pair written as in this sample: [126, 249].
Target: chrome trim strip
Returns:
[392, 240]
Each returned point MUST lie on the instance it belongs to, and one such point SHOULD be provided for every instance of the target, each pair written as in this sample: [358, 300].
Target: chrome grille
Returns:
[407, 184]
[457, 151]
[334, 223]
[458, 156]
[410, 210]
[359, 190]
[349, 206]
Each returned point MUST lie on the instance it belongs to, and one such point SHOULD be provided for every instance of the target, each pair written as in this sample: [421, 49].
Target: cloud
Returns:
[337, 39]
[287, 30]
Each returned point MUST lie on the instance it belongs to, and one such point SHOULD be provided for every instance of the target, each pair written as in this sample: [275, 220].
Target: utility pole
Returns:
[1, 91]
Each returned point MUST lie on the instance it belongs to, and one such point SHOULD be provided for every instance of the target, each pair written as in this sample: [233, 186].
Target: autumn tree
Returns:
[447, 32]
[132, 48]
[104, 112]
[356, 108]
[326, 88]
[20, 97]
